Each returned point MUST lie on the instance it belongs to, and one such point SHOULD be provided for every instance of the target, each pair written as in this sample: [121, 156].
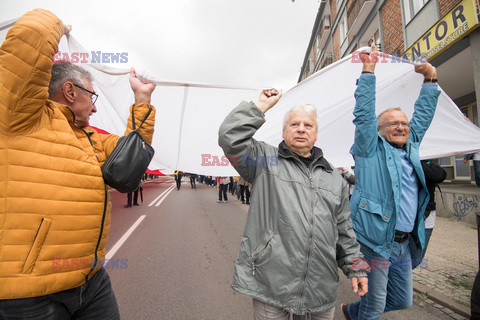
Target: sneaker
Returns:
[136, 204]
[219, 201]
[127, 205]
[243, 201]
[225, 201]
[345, 311]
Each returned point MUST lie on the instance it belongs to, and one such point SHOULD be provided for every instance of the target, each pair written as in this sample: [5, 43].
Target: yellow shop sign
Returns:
[455, 25]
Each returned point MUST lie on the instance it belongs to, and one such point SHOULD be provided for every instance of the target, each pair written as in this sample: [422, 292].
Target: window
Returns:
[411, 8]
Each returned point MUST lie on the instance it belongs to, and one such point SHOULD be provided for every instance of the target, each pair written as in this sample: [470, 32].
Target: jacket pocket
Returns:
[263, 244]
[37, 245]
[372, 220]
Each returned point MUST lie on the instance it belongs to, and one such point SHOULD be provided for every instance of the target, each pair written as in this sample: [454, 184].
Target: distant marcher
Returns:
[434, 174]
[390, 195]
[234, 185]
[193, 177]
[244, 190]
[298, 230]
[222, 188]
[135, 198]
[178, 178]
[476, 165]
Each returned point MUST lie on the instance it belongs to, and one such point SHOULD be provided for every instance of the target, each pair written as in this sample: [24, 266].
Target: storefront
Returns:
[452, 45]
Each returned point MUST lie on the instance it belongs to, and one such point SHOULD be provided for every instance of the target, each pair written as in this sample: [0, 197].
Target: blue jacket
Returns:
[378, 169]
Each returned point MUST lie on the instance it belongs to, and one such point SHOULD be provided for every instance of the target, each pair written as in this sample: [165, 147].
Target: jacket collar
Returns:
[319, 159]
[68, 113]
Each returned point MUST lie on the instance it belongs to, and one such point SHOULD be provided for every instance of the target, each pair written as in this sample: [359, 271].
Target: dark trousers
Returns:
[222, 189]
[192, 182]
[475, 298]
[92, 300]
[245, 190]
[476, 169]
[179, 182]
[135, 197]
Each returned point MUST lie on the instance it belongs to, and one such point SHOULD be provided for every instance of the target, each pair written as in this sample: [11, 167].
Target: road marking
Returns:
[151, 203]
[124, 238]
[165, 196]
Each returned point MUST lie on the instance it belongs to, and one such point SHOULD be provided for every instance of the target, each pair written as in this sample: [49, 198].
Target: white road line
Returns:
[124, 238]
[151, 203]
[165, 196]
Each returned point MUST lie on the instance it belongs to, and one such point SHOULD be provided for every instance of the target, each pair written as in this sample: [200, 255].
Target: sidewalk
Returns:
[447, 276]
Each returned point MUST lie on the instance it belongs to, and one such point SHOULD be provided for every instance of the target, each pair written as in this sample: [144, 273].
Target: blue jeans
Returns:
[390, 283]
[92, 300]
[417, 254]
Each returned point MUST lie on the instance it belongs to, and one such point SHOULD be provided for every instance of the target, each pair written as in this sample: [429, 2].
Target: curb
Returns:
[442, 299]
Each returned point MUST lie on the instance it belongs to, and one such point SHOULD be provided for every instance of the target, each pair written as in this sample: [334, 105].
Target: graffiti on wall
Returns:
[465, 205]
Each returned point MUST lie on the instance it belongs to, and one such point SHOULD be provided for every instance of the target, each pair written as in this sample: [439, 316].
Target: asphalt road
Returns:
[174, 256]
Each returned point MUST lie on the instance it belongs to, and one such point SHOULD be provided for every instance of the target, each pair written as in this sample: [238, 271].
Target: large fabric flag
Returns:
[189, 114]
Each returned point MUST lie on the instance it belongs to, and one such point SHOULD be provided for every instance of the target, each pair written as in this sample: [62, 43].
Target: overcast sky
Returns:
[229, 42]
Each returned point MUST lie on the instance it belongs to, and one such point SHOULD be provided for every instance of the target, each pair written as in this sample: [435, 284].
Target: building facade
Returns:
[444, 31]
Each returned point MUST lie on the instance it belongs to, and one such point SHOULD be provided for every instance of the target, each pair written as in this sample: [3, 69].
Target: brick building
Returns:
[444, 31]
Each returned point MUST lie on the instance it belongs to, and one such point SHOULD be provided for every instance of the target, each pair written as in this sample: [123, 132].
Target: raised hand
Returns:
[66, 29]
[268, 98]
[370, 59]
[427, 70]
[142, 91]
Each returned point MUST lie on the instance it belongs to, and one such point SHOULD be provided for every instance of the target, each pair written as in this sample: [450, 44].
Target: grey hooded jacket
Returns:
[298, 228]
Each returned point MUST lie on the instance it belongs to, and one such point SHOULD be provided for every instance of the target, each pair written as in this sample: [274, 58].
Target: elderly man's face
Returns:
[83, 107]
[300, 132]
[394, 127]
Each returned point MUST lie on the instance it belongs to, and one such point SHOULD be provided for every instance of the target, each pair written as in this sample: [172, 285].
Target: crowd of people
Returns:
[303, 222]
[234, 185]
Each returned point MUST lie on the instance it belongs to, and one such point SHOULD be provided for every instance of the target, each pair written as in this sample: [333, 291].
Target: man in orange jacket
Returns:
[54, 204]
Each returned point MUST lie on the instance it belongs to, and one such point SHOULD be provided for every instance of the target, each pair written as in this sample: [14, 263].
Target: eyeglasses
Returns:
[395, 124]
[93, 96]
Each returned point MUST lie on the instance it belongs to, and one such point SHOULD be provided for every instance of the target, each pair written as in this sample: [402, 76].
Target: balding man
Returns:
[390, 194]
[298, 228]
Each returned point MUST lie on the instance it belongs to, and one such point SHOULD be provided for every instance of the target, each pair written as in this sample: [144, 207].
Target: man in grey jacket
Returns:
[298, 228]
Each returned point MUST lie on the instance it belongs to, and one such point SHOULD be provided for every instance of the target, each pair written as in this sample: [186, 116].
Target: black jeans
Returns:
[179, 182]
[135, 197]
[92, 300]
[245, 190]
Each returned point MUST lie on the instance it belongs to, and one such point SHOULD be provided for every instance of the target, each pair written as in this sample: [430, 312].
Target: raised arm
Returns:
[235, 135]
[426, 103]
[365, 120]
[26, 58]
[143, 96]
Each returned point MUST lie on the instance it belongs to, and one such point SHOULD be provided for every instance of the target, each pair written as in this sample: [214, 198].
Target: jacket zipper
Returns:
[310, 236]
[309, 172]
[104, 207]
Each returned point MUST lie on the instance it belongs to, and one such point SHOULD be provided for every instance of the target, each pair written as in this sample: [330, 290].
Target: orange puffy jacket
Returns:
[54, 204]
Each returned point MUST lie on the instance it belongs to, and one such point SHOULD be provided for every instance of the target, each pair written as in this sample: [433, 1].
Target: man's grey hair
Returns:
[308, 108]
[380, 116]
[66, 71]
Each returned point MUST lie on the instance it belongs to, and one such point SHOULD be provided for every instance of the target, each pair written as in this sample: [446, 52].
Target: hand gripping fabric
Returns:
[126, 165]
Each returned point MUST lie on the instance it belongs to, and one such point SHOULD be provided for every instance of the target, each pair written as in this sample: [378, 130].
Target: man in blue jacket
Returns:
[390, 196]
